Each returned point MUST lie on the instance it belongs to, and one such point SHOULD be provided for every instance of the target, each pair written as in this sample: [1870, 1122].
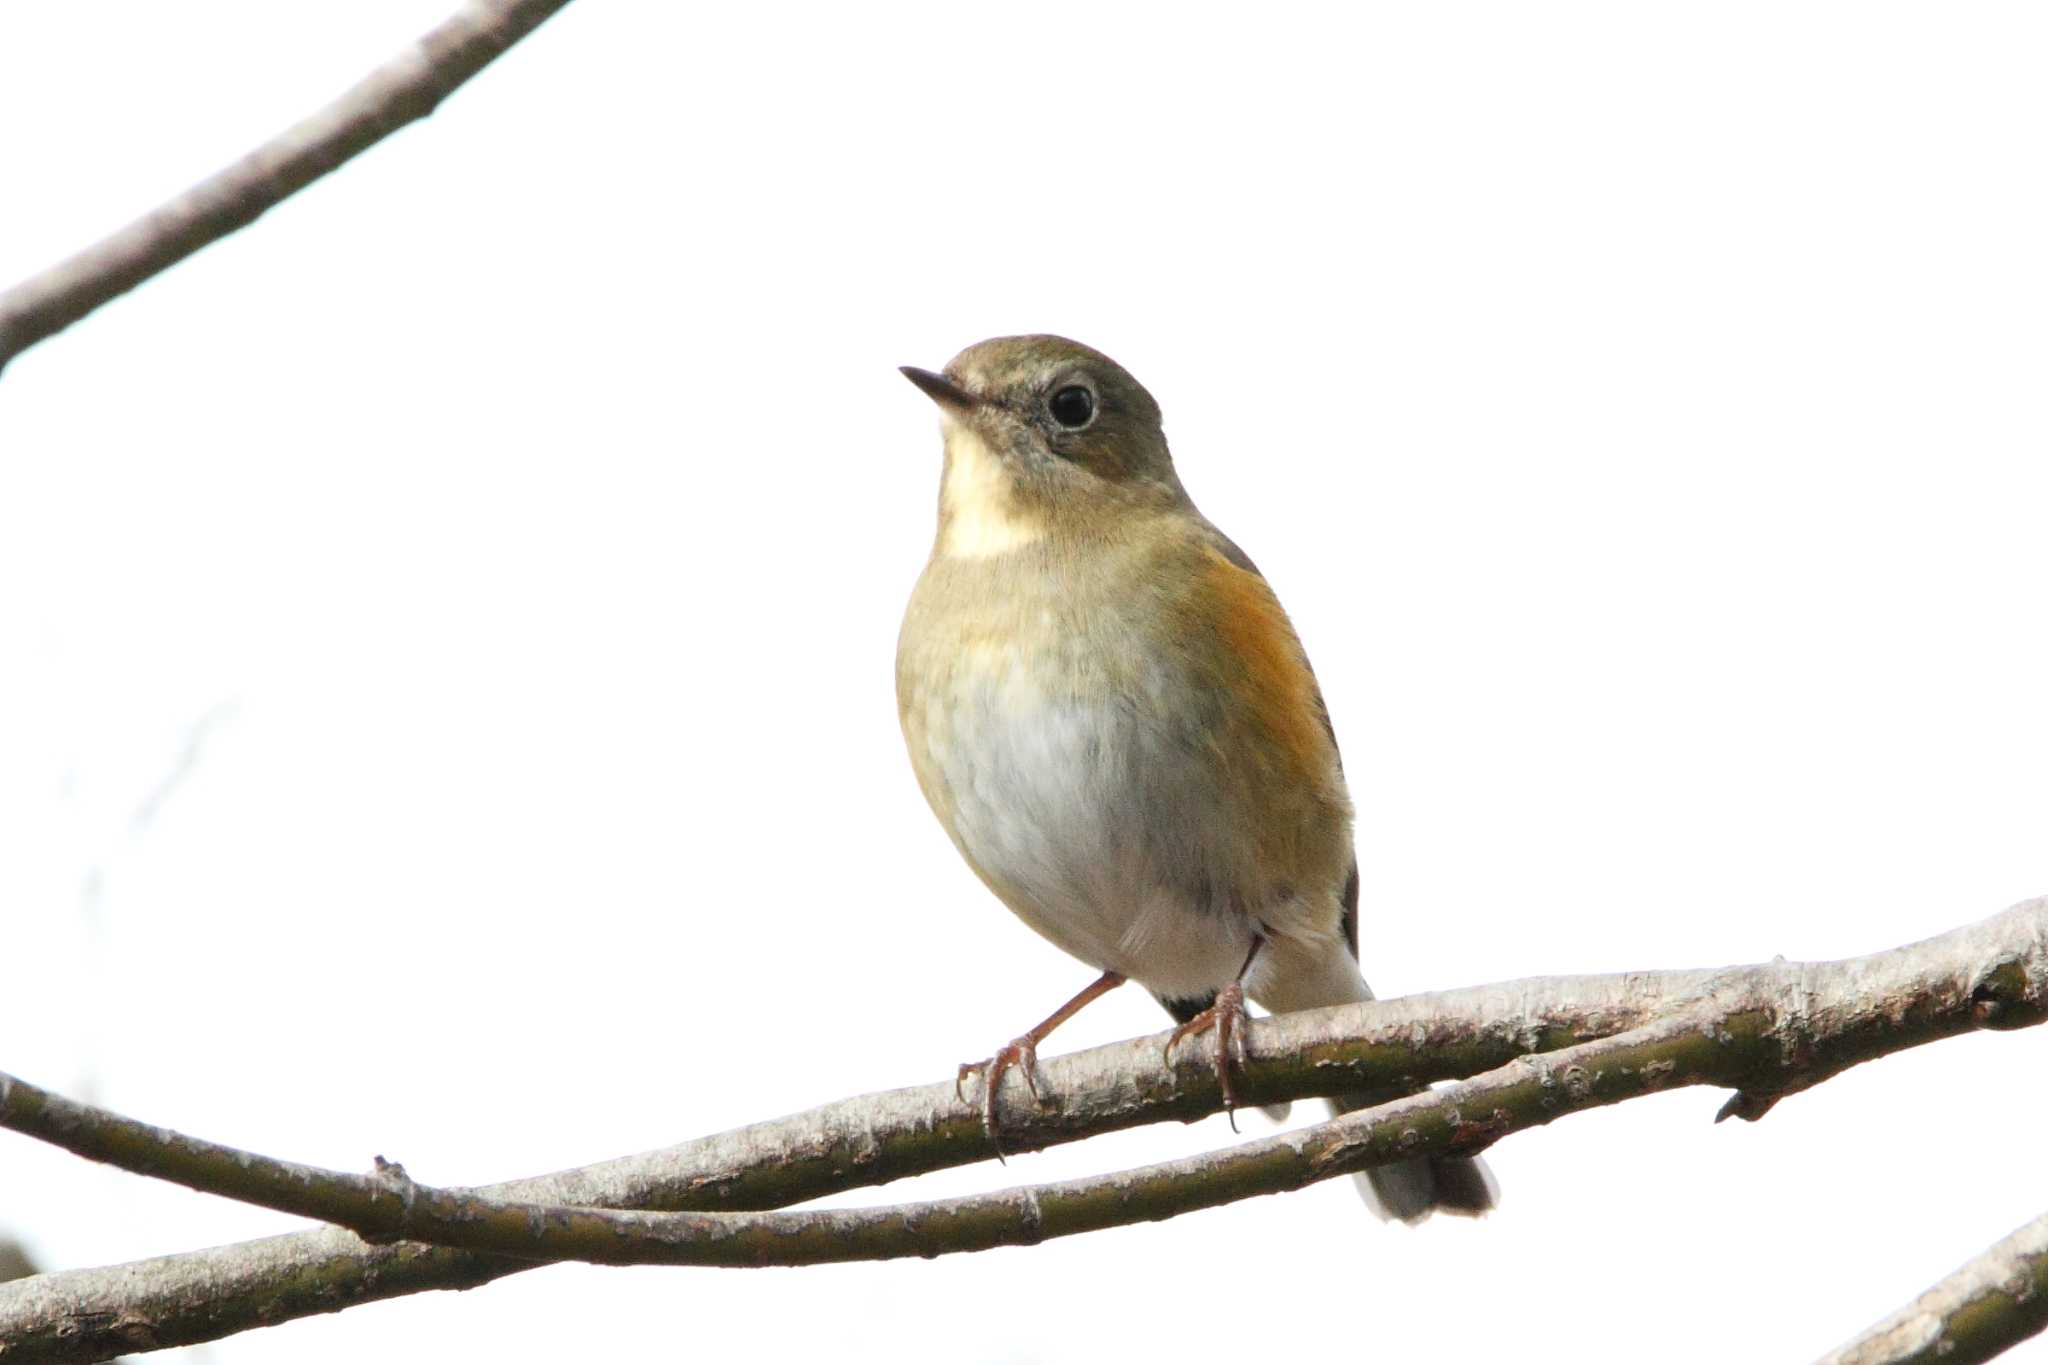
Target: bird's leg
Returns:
[1227, 1016]
[1022, 1052]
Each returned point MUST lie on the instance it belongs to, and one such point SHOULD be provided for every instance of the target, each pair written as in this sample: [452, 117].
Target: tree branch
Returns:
[1782, 1027]
[385, 1206]
[402, 90]
[1988, 1306]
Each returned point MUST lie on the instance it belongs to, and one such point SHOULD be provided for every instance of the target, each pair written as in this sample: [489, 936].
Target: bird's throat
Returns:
[980, 514]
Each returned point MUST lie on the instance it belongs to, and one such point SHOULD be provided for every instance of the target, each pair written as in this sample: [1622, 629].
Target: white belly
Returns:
[1052, 799]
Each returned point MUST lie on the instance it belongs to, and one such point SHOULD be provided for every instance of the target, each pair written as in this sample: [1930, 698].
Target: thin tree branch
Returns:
[1987, 1307]
[402, 90]
[1818, 1018]
[1698, 1046]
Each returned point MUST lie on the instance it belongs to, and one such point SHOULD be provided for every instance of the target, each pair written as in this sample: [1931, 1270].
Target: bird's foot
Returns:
[1227, 1018]
[1020, 1054]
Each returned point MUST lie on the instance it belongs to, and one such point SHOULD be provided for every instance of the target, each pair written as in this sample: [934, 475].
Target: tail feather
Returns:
[1408, 1191]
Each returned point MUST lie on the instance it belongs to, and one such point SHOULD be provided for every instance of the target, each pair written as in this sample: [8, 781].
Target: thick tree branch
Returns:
[1788, 1026]
[404, 89]
[1987, 1307]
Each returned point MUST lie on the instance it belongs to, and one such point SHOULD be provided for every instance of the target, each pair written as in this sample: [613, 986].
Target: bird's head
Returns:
[1042, 434]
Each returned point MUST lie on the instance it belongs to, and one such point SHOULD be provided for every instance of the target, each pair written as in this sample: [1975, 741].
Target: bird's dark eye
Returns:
[1073, 407]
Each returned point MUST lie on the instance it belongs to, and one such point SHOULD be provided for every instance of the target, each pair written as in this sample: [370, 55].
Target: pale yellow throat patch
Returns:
[980, 516]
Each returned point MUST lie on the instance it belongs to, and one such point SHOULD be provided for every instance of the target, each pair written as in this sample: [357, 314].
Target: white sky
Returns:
[1637, 407]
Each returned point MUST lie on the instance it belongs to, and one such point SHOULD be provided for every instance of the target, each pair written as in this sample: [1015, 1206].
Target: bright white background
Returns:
[1638, 407]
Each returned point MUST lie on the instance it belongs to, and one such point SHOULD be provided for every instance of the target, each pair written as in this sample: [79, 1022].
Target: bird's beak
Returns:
[941, 390]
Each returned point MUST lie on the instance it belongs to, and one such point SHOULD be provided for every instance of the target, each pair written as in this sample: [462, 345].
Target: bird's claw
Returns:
[1227, 1018]
[1020, 1054]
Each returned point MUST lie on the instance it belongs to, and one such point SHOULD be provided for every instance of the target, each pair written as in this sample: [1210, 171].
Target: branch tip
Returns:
[1747, 1106]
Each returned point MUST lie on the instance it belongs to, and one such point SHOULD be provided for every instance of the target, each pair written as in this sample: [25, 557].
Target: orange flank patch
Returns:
[1279, 688]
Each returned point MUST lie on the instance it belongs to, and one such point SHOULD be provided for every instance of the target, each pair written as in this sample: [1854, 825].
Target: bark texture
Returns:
[1766, 1031]
[1985, 1308]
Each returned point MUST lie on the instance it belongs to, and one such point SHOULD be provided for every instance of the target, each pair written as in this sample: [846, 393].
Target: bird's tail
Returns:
[1409, 1191]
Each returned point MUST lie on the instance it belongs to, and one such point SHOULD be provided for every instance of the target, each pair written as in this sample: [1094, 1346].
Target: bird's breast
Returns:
[1087, 738]
[1017, 706]
[1018, 740]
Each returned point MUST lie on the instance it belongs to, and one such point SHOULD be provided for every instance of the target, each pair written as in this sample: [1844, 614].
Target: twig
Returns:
[1987, 1307]
[1818, 1018]
[402, 90]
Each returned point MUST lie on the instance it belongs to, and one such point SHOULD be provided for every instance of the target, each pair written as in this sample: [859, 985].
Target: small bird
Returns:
[1113, 719]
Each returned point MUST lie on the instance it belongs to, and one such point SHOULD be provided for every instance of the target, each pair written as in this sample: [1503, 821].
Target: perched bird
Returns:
[1110, 714]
